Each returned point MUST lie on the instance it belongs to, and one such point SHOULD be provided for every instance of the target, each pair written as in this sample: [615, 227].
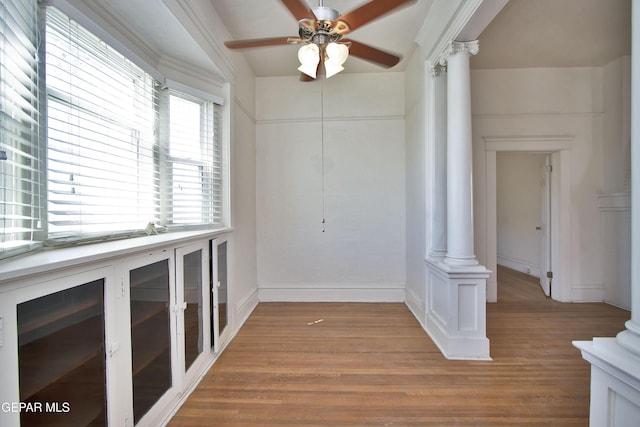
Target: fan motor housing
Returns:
[325, 13]
[320, 31]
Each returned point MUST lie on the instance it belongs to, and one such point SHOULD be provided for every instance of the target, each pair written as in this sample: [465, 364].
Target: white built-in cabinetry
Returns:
[113, 337]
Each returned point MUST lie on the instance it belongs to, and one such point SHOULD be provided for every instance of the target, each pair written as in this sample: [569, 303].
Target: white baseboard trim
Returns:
[415, 305]
[245, 307]
[519, 265]
[457, 348]
[587, 293]
[331, 292]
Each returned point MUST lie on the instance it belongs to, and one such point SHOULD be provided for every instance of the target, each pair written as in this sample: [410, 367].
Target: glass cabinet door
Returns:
[61, 355]
[218, 291]
[223, 299]
[152, 328]
[192, 274]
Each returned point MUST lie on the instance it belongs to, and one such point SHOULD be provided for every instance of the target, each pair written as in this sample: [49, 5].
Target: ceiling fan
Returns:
[320, 33]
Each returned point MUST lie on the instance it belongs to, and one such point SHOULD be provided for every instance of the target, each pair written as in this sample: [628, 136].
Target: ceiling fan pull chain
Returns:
[322, 149]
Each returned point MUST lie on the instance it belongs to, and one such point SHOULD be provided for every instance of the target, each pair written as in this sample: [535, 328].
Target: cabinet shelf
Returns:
[151, 330]
[141, 311]
[72, 405]
[91, 305]
[38, 367]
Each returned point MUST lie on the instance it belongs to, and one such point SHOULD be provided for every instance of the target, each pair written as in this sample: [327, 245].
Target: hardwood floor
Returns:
[339, 364]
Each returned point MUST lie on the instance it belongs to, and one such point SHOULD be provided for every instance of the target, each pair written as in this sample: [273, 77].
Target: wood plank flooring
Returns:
[353, 364]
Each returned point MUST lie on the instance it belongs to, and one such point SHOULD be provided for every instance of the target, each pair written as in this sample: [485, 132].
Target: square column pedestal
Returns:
[456, 310]
[615, 383]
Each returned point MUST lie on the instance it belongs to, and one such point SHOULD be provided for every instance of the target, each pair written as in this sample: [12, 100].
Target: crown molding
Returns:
[445, 22]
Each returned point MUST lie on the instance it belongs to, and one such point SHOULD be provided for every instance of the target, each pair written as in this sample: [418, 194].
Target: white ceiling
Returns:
[526, 33]
[248, 19]
[556, 33]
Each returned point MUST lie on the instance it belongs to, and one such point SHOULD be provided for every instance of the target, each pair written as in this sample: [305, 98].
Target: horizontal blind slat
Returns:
[102, 113]
[20, 174]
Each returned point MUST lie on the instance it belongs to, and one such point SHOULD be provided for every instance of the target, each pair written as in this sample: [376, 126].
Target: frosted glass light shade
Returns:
[337, 53]
[309, 56]
[332, 69]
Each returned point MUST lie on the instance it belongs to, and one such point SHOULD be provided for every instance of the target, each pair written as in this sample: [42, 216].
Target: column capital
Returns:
[470, 48]
[439, 70]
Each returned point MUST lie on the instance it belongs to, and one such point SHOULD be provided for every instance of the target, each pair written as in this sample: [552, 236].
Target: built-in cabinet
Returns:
[112, 344]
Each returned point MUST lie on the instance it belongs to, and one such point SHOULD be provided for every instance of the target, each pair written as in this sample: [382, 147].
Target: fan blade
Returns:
[249, 43]
[371, 54]
[298, 9]
[367, 13]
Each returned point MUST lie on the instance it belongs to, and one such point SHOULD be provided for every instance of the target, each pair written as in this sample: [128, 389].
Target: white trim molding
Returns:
[331, 292]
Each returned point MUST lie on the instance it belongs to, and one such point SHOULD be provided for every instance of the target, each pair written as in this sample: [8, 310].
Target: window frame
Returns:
[206, 90]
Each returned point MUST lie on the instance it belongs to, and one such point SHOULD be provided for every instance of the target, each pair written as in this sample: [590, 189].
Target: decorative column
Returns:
[459, 154]
[630, 338]
[456, 284]
[438, 230]
[615, 362]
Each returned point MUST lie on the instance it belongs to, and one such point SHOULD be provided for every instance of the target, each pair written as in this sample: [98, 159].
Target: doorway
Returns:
[558, 150]
[523, 223]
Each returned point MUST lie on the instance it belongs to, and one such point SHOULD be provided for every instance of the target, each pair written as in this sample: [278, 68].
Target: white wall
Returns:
[519, 210]
[361, 255]
[615, 199]
[244, 289]
[534, 107]
[416, 184]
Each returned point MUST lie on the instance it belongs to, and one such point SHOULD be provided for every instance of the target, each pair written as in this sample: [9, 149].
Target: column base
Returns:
[615, 382]
[629, 339]
[456, 310]
[461, 261]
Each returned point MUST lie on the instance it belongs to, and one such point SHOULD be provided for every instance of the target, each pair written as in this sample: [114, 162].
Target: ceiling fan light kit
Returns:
[309, 57]
[320, 30]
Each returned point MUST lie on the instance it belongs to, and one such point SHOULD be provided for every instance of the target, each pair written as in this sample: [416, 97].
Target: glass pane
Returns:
[222, 285]
[212, 285]
[192, 277]
[62, 359]
[150, 335]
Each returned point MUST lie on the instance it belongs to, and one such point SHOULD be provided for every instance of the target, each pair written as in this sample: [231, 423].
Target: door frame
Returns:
[560, 149]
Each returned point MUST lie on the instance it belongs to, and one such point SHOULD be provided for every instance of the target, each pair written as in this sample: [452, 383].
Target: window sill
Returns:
[50, 259]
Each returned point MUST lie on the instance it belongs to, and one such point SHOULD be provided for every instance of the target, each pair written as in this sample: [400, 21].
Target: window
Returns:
[121, 150]
[20, 155]
[193, 169]
[101, 115]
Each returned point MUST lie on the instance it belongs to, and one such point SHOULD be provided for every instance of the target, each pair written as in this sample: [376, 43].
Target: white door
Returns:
[545, 228]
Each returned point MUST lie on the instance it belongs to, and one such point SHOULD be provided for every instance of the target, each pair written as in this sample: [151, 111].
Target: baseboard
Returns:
[456, 348]
[331, 292]
[519, 265]
[588, 293]
[415, 305]
[245, 307]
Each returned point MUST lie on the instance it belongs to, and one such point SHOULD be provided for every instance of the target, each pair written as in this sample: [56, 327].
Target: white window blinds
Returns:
[20, 159]
[91, 146]
[193, 170]
[101, 147]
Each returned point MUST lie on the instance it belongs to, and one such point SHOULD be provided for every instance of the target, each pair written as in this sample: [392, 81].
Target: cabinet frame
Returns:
[155, 413]
[189, 376]
[9, 356]
[49, 272]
